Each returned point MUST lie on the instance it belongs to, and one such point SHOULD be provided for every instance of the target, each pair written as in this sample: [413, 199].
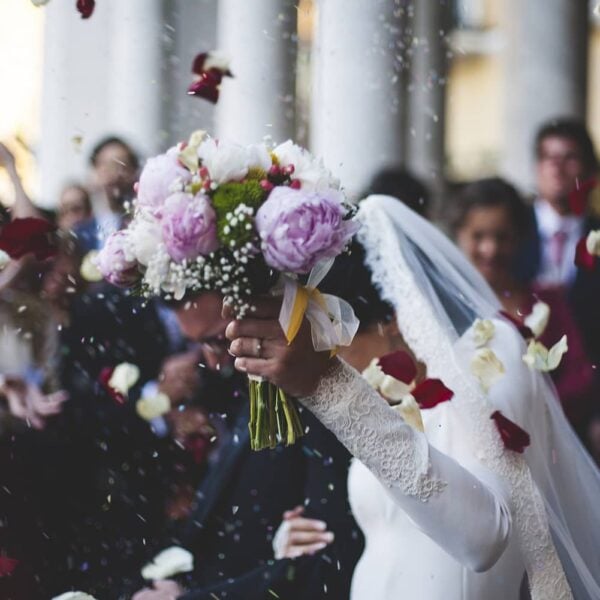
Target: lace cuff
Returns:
[373, 432]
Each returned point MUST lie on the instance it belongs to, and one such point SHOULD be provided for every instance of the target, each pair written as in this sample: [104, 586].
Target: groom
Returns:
[245, 493]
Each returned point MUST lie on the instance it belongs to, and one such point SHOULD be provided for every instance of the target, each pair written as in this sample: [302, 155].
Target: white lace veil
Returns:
[555, 486]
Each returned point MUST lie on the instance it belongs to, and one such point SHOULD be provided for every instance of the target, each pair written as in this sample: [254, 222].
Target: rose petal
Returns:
[399, 365]
[4, 259]
[538, 357]
[169, 562]
[74, 596]
[104, 378]
[86, 8]
[486, 367]
[89, 269]
[483, 331]
[592, 242]
[514, 438]
[583, 259]
[124, 377]
[392, 388]
[431, 392]
[7, 566]
[409, 409]
[537, 319]
[373, 374]
[152, 407]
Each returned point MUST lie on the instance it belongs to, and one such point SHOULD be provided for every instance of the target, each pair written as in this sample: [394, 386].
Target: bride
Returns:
[453, 512]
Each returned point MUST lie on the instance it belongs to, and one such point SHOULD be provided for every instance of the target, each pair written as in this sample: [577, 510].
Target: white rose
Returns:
[144, 237]
[167, 563]
[592, 242]
[124, 377]
[373, 374]
[540, 358]
[486, 367]
[538, 319]
[308, 169]
[393, 388]
[224, 160]
[151, 407]
[4, 259]
[74, 596]
[410, 412]
[89, 267]
[483, 331]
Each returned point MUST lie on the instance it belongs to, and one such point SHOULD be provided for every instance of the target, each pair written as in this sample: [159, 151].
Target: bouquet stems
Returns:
[273, 416]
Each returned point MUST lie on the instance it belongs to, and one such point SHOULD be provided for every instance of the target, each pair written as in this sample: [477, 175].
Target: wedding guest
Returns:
[240, 503]
[490, 224]
[565, 159]
[23, 206]
[74, 207]
[114, 169]
[401, 184]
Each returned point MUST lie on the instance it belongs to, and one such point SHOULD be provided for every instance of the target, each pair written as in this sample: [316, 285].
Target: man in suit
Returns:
[241, 502]
[565, 159]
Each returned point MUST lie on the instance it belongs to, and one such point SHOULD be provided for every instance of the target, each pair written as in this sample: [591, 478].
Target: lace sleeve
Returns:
[438, 494]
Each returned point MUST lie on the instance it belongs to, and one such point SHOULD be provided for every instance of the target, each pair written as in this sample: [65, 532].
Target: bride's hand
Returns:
[260, 348]
[297, 535]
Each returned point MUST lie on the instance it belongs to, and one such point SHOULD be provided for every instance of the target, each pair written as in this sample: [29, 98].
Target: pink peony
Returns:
[158, 179]
[300, 228]
[116, 263]
[189, 226]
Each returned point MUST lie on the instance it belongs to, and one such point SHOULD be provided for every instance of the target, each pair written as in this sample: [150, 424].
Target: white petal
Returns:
[392, 388]
[483, 331]
[4, 259]
[169, 562]
[411, 413]
[124, 377]
[540, 358]
[89, 267]
[74, 596]
[373, 374]
[151, 407]
[538, 319]
[486, 367]
[592, 242]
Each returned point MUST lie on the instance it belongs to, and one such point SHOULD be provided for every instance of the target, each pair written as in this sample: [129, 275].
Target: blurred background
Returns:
[452, 89]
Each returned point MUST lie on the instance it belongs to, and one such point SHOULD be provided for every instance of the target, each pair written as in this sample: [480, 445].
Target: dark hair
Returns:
[572, 129]
[351, 279]
[488, 193]
[400, 183]
[109, 141]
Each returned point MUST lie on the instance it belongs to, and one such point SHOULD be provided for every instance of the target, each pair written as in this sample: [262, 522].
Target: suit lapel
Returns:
[220, 474]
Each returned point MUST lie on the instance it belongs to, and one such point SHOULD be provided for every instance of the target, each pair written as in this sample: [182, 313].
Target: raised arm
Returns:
[23, 206]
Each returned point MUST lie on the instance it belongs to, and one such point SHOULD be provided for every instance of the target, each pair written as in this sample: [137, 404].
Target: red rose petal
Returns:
[86, 8]
[520, 325]
[7, 566]
[208, 80]
[578, 198]
[399, 365]
[204, 88]
[431, 392]
[28, 236]
[583, 259]
[512, 435]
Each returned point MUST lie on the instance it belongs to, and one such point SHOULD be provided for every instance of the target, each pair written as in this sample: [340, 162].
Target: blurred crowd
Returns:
[91, 488]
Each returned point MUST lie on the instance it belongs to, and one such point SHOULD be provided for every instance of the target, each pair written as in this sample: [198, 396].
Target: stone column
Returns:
[135, 92]
[546, 73]
[426, 94]
[260, 40]
[356, 104]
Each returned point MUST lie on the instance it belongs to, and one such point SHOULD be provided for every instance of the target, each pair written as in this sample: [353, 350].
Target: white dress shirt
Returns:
[553, 272]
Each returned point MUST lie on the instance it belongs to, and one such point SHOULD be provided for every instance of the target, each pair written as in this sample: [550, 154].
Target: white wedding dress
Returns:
[453, 514]
[400, 561]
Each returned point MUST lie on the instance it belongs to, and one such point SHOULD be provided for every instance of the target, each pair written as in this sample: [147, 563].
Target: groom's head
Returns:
[200, 320]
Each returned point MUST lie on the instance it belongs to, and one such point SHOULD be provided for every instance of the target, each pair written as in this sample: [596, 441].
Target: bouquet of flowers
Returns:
[241, 220]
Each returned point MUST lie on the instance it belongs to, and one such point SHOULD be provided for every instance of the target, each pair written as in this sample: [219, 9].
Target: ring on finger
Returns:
[259, 346]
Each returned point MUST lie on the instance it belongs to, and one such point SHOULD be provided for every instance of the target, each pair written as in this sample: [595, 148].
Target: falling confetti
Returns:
[209, 69]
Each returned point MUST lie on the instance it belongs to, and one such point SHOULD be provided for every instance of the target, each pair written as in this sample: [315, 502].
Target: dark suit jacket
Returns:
[583, 294]
[240, 506]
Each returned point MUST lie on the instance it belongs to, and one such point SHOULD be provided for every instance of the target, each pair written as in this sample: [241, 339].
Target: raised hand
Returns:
[261, 349]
